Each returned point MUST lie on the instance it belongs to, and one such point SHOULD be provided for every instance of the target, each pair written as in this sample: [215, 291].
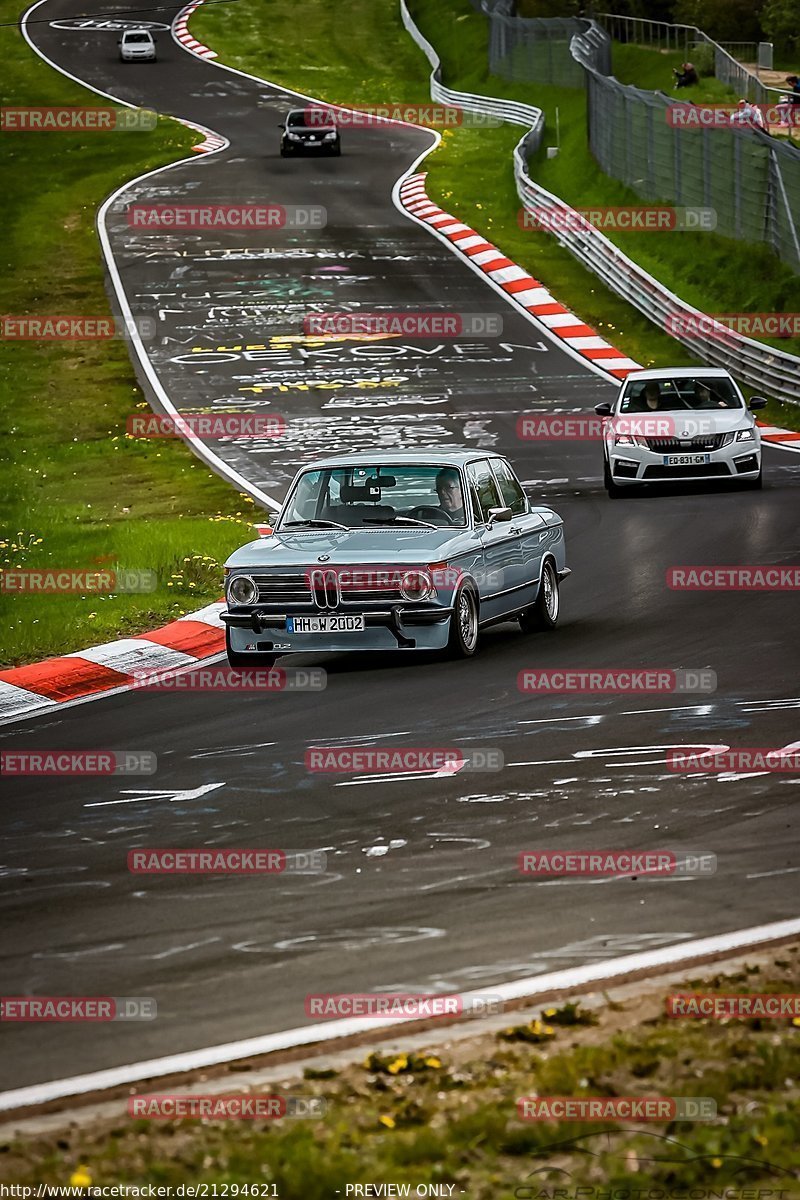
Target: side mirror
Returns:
[603, 410]
[500, 514]
[757, 402]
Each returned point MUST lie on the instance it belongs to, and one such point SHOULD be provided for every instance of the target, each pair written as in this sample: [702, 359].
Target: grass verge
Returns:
[75, 492]
[471, 172]
[446, 1112]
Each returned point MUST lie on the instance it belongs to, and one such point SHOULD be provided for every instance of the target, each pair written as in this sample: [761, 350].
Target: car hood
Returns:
[311, 131]
[347, 546]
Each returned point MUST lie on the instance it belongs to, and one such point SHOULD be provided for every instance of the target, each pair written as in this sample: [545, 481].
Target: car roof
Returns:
[457, 457]
[127, 31]
[679, 373]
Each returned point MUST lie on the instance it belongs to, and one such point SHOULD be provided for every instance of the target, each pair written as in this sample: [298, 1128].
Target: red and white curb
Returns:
[180, 31]
[42, 686]
[211, 141]
[522, 289]
[787, 439]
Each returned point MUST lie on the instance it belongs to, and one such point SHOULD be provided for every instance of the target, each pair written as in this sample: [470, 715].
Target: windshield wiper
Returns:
[313, 525]
[402, 520]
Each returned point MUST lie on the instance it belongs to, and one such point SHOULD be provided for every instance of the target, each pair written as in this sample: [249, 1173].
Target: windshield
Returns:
[296, 118]
[137, 37]
[376, 496]
[685, 392]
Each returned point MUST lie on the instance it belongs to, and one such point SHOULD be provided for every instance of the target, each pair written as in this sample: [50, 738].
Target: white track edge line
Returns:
[572, 977]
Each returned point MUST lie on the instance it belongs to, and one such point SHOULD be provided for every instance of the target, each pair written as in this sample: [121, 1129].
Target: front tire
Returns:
[543, 613]
[614, 492]
[238, 659]
[463, 641]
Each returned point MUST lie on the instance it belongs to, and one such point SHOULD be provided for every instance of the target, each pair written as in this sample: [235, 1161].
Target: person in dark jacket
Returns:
[686, 76]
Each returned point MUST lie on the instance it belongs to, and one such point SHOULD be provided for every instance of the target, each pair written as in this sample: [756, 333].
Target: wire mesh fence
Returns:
[750, 179]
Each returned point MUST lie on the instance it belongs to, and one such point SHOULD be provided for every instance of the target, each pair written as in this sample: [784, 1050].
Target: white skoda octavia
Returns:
[679, 424]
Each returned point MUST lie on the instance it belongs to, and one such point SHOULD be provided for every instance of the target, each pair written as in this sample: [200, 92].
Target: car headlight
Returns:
[628, 439]
[293, 137]
[745, 435]
[416, 585]
[330, 136]
[242, 590]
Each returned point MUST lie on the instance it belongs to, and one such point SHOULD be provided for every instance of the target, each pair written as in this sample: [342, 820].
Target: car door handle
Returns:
[514, 529]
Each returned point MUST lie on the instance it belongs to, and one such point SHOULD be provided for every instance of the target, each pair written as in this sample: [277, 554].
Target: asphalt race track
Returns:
[422, 891]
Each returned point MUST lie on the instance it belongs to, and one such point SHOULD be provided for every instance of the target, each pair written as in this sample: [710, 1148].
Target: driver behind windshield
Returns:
[451, 497]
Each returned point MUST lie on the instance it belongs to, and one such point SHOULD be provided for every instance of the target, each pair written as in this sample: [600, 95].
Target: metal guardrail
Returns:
[761, 367]
[509, 111]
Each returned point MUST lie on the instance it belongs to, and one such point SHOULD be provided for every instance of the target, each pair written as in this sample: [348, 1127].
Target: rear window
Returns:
[137, 37]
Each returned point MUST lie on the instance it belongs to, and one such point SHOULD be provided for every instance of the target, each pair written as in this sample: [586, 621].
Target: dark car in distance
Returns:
[309, 130]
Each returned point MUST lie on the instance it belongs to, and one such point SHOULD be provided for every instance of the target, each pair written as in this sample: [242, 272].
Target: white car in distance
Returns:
[137, 45]
[680, 424]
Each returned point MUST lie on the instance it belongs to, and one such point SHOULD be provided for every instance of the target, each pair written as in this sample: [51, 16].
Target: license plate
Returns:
[685, 460]
[328, 624]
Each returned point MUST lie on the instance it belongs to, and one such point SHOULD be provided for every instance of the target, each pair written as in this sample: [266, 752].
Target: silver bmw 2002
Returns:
[394, 550]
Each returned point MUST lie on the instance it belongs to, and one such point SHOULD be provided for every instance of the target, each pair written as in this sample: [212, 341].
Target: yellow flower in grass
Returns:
[399, 1064]
[80, 1177]
[389, 1122]
[716, 1162]
[432, 1061]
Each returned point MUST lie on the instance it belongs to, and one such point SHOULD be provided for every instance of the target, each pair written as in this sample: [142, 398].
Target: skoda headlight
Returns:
[416, 585]
[242, 590]
[745, 435]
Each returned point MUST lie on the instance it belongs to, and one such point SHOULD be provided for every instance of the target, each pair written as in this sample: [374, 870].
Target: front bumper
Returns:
[393, 627]
[304, 146]
[637, 464]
